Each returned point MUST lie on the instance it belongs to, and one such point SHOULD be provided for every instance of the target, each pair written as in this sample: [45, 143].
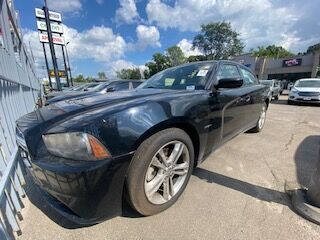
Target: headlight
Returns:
[75, 145]
[293, 90]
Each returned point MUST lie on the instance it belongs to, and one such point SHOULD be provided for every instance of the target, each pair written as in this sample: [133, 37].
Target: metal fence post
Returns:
[19, 87]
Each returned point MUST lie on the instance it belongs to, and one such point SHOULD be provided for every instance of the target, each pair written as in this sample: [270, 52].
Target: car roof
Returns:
[217, 62]
[120, 81]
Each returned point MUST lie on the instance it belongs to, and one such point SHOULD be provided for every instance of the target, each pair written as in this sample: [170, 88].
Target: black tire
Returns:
[259, 128]
[290, 102]
[276, 97]
[140, 163]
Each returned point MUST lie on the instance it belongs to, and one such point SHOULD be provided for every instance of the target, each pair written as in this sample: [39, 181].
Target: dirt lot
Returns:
[236, 194]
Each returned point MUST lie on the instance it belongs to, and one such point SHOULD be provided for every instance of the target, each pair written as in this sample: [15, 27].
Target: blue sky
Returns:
[107, 35]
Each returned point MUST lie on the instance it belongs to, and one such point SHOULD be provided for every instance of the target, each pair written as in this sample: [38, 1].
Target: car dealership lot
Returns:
[236, 194]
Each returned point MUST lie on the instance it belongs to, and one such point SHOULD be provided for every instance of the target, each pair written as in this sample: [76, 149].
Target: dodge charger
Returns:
[88, 156]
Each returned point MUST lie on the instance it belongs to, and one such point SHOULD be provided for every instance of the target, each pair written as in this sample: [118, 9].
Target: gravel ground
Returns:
[238, 193]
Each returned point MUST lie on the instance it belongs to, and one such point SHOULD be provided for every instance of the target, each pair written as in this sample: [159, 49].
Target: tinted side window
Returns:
[136, 84]
[248, 77]
[228, 71]
[121, 86]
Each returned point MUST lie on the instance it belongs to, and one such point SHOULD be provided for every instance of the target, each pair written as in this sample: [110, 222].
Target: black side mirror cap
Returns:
[110, 89]
[229, 83]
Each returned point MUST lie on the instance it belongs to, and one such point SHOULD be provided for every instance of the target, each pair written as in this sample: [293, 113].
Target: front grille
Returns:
[309, 94]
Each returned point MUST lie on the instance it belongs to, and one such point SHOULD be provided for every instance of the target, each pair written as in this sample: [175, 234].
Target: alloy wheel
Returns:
[167, 172]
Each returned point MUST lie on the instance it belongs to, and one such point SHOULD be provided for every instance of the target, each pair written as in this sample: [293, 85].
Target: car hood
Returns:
[307, 89]
[54, 113]
[69, 95]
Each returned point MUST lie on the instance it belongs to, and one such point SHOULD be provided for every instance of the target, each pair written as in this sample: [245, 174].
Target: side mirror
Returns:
[110, 89]
[229, 83]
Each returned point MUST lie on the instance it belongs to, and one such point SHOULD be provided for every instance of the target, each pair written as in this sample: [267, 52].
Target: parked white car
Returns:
[305, 90]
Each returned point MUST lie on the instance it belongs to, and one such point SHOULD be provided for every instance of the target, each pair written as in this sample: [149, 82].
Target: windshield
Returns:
[308, 83]
[190, 77]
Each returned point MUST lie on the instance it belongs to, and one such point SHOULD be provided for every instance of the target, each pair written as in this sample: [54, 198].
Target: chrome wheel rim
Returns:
[167, 172]
[262, 117]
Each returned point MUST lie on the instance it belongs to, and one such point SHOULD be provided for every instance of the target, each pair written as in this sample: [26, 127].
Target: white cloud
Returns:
[186, 47]
[65, 5]
[98, 43]
[127, 12]
[118, 65]
[259, 22]
[100, 2]
[147, 36]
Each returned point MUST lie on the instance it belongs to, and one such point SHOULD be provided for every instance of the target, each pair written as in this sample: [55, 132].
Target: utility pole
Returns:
[65, 65]
[69, 67]
[47, 65]
[52, 50]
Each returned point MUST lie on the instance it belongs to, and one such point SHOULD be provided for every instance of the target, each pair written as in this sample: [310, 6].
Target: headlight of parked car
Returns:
[75, 145]
[293, 90]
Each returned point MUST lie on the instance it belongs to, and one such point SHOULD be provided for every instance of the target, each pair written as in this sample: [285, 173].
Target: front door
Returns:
[231, 106]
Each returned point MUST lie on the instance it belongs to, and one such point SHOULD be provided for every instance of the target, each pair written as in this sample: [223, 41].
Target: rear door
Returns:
[252, 98]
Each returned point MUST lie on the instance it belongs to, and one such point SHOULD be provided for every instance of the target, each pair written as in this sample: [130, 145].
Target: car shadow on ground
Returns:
[262, 193]
[307, 159]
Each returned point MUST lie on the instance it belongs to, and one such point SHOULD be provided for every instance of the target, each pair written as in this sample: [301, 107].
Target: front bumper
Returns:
[85, 192]
[303, 99]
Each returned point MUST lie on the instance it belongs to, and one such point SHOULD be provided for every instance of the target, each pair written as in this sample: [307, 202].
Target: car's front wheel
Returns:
[160, 170]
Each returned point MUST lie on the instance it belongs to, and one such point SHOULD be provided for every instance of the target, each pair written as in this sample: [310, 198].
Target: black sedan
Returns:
[102, 88]
[88, 155]
[87, 86]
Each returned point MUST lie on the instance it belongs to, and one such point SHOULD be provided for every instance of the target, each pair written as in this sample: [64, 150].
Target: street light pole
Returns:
[69, 67]
[52, 50]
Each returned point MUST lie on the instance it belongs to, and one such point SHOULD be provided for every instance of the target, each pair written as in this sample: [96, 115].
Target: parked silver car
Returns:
[275, 88]
[305, 90]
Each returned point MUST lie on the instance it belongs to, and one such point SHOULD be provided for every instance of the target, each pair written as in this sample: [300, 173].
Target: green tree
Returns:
[218, 41]
[146, 73]
[79, 78]
[313, 48]
[271, 51]
[89, 79]
[129, 73]
[196, 58]
[102, 75]
[175, 56]
[159, 62]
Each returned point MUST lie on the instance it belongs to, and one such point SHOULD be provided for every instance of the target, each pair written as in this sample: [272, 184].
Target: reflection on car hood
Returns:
[70, 95]
[307, 89]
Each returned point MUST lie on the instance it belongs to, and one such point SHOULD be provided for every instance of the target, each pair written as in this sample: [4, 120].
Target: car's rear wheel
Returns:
[160, 170]
[262, 119]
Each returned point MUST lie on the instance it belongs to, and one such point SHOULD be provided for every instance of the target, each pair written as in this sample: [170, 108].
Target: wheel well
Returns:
[187, 127]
